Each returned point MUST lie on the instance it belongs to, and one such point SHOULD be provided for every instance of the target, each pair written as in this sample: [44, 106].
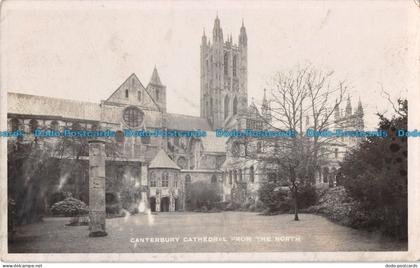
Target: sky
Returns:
[85, 50]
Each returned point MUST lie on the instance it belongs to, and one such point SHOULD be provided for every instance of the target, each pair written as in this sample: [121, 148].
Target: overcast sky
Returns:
[84, 51]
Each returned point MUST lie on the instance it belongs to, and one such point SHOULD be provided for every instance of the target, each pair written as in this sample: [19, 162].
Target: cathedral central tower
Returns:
[224, 68]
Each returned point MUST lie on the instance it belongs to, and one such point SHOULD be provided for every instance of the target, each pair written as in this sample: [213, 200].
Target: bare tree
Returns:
[301, 99]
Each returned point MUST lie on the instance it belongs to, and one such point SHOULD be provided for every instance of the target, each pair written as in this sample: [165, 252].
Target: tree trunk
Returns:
[295, 191]
[296, 203]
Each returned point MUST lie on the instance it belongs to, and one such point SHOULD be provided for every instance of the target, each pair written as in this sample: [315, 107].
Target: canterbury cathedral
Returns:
[154, 170]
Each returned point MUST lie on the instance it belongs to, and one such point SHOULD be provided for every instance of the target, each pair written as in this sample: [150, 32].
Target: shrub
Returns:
[200, 194]
[259, 206]
[69, 207]
[307, 196]
[252, 208]
[221, 205]
[214, 210]
[285, 206]
[204, 209]
[232, 206]
[336, 205]
[272, 195]
[113, 204]
[277, 198]
[245, 206]
[127, 198]
[114, 208]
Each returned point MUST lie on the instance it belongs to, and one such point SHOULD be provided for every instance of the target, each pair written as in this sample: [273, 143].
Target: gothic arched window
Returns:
[54, 125]
[213, 179]
[165, 179]
[251, 174]
[325, 174]
[152, 180]
[94, 126]
[259, 146]
[226, 106]
[235, 106]
[187, 179]
[234, 66]
[15, 124]
[126, 93]
[76, 126]
[33, 125]
[230, 177]
[236, 149]
[226, 63]
[157, 94]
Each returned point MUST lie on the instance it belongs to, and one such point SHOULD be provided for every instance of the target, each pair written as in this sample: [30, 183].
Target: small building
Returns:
[166, 188]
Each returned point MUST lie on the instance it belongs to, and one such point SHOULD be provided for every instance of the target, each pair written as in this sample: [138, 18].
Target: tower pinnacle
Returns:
[155, 79]
[217, 31]
[360, 107]
[348, 107]
[242, 35]
[265, 108]
[336, 111]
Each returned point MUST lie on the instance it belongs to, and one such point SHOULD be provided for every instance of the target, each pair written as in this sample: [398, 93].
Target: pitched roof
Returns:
[18, 103]
[155, 80]
[186, 122]
[253, 110]
[126, 81]
[214, 144]
[162, 160]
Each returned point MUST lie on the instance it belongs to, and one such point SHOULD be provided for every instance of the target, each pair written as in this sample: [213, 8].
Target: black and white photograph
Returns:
[238, 128]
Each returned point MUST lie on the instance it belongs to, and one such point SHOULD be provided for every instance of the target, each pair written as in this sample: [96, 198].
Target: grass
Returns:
[229, 232]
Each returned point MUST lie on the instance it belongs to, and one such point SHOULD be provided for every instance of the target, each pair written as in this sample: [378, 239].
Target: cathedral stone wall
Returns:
[134, 105]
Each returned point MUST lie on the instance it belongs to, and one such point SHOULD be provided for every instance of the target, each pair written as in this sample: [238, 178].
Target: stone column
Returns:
[157, 196]
[144, 186]
[171, 201]
[144, 174]
[97, 188]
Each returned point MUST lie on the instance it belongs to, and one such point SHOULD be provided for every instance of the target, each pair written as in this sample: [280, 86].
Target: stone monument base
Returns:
[98, 234]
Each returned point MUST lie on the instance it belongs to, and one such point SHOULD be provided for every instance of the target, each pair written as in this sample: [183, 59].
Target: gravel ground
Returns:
[200, 232]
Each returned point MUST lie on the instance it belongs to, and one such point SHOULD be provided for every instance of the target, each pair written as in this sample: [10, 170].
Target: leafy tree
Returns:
[375, 174]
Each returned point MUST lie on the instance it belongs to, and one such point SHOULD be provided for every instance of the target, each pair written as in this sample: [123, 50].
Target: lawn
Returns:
[199, 232]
